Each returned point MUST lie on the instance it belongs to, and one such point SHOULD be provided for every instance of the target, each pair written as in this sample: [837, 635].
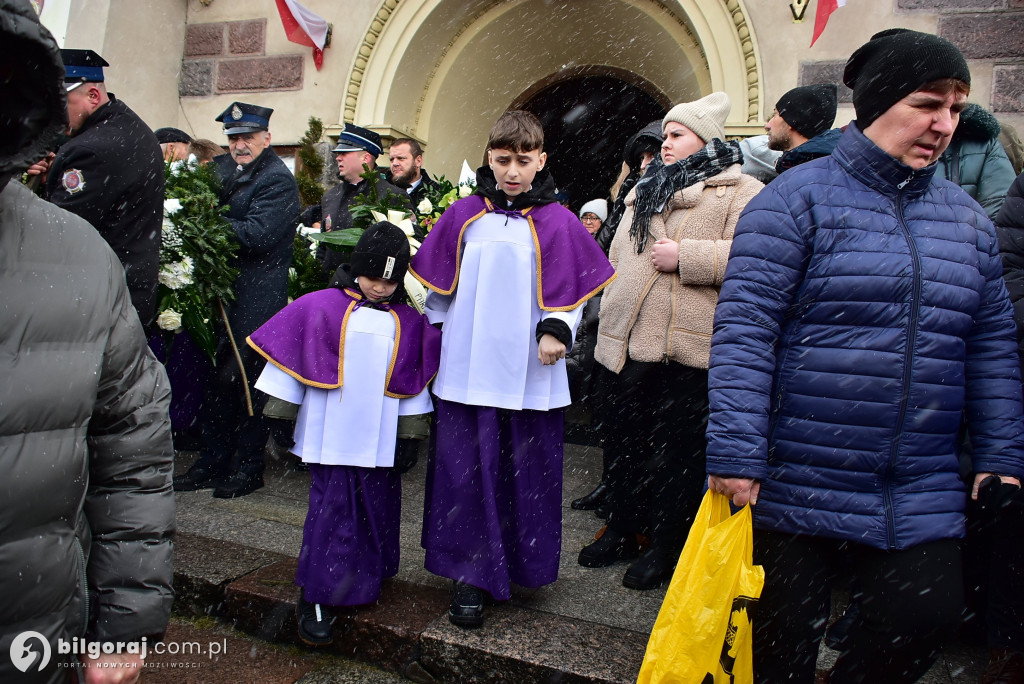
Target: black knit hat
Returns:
[810, 109]
[895, 63]
[382, 252]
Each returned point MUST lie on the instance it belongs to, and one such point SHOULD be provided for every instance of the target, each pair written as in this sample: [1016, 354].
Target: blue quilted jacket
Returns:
[863, 311]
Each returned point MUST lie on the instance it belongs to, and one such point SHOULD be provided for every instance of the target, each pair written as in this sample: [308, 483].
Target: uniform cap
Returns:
[81, 66]
[244, 118]
[356, 138]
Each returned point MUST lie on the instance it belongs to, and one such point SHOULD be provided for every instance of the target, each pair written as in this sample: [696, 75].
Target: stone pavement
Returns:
[235, 561]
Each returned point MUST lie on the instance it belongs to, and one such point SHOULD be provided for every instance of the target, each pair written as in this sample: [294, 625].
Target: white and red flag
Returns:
[821, 15]
[304, 27]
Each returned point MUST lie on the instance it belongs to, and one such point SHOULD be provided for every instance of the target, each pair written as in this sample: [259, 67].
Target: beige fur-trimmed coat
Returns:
[656, 316]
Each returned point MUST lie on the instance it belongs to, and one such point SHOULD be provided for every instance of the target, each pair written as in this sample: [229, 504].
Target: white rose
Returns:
[171, 206]
[425, 207]
[465, 191]
[169, 319]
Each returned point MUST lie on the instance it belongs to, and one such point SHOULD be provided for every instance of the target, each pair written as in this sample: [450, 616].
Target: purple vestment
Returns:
[306, 339]
[350, 542]
[571, 266]
[493, 507]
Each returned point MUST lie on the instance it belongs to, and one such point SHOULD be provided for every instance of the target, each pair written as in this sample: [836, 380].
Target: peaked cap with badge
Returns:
[242, 118]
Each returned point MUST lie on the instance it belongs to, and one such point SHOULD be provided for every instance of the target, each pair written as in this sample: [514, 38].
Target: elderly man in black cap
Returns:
[264, 204]
[862, 317]
[174, 142]
[801, 125]
[357, 148]
[111, 173]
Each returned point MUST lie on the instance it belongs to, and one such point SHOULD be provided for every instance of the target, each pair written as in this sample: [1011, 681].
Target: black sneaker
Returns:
[609, 546]
[315, 622]
[467, 607]
[237, 485]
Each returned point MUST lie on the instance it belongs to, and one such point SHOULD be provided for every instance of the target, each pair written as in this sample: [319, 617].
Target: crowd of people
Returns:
[824, 323]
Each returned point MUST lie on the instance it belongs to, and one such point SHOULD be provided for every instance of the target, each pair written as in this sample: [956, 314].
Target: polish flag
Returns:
[304, 27]
[825, 8]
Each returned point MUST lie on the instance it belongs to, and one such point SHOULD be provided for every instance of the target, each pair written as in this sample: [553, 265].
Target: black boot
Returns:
[467, 606]
[653, 569]
[237, 485]
[593, 499]
[315, 621]
[197, 478]
[608, 547]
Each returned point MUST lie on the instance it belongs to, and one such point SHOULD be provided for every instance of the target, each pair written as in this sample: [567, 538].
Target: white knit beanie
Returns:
[705, 117]
[598, 207]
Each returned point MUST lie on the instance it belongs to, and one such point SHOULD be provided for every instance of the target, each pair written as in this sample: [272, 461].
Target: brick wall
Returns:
[230, 57]
[990, 33]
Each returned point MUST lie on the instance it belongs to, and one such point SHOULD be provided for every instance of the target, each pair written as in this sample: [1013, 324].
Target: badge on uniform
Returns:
[73, 181]
[327, 224]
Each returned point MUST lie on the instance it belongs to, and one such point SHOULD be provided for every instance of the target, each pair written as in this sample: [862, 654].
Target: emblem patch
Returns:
[236, 113]
[73, 181]
[327, 224]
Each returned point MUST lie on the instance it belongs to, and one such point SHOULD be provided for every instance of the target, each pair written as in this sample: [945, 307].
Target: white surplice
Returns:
[356, 424]
[488, 342]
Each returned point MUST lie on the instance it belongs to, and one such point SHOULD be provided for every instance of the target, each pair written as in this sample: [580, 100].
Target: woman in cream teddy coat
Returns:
[654, 338]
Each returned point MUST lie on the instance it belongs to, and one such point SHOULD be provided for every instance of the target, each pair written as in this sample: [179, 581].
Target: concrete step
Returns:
[407, 632]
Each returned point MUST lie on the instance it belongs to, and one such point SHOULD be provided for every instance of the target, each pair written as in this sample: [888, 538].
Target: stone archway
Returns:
[442, 71]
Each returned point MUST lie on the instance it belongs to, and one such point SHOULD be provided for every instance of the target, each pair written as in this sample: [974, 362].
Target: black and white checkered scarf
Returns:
[661, 182]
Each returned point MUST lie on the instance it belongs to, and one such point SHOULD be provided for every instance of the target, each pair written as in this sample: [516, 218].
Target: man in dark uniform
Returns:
[406, 157]
[111, 173]
[264, 203]
[356, 146]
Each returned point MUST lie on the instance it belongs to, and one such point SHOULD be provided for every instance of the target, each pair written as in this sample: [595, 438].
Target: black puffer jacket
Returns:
[85, 447]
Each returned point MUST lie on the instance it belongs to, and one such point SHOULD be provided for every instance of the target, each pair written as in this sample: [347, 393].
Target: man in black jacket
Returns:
[406, 157]
[357, 147]
[111, 173]
[801, 125]
[264, 203]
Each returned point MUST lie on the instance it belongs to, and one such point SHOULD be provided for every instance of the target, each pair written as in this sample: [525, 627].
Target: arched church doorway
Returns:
[587, 121]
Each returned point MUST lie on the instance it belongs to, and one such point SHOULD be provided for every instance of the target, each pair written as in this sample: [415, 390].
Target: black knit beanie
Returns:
[382, 252]
[811, 109]
[895, 63]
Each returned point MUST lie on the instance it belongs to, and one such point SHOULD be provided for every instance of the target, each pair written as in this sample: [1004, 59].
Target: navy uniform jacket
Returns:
[263, 204]
[111, 173]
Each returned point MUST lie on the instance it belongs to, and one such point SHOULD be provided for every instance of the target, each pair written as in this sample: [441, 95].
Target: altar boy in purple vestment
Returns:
[509, 270]
[354, 358]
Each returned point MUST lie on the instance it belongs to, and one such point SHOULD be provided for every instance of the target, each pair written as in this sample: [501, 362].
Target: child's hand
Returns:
[665, 255]
[550, 350]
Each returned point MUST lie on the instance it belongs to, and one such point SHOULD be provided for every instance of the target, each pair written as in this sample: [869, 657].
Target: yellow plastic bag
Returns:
[703, 632]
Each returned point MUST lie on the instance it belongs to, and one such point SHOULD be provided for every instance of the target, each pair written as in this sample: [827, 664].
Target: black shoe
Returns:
[197, 478]
[592, 500]
[837, 634]
[653, 569]
[315, 622]
[609, 547]
[602, 511]
[237, 485]
[467, 607]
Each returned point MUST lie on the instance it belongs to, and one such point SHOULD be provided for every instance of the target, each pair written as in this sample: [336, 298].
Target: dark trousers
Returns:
[652, 419]
[994, 565]
[910, 600]
[227, 426]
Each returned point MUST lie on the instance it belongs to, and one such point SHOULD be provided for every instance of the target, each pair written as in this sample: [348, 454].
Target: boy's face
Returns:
[515, 171]
[376, 289]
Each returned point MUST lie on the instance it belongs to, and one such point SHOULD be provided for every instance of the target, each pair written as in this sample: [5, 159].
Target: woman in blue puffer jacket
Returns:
[863, 311]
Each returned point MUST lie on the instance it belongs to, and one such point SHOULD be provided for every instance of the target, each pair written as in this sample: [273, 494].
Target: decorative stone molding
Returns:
[355, 79]
[741, 28]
